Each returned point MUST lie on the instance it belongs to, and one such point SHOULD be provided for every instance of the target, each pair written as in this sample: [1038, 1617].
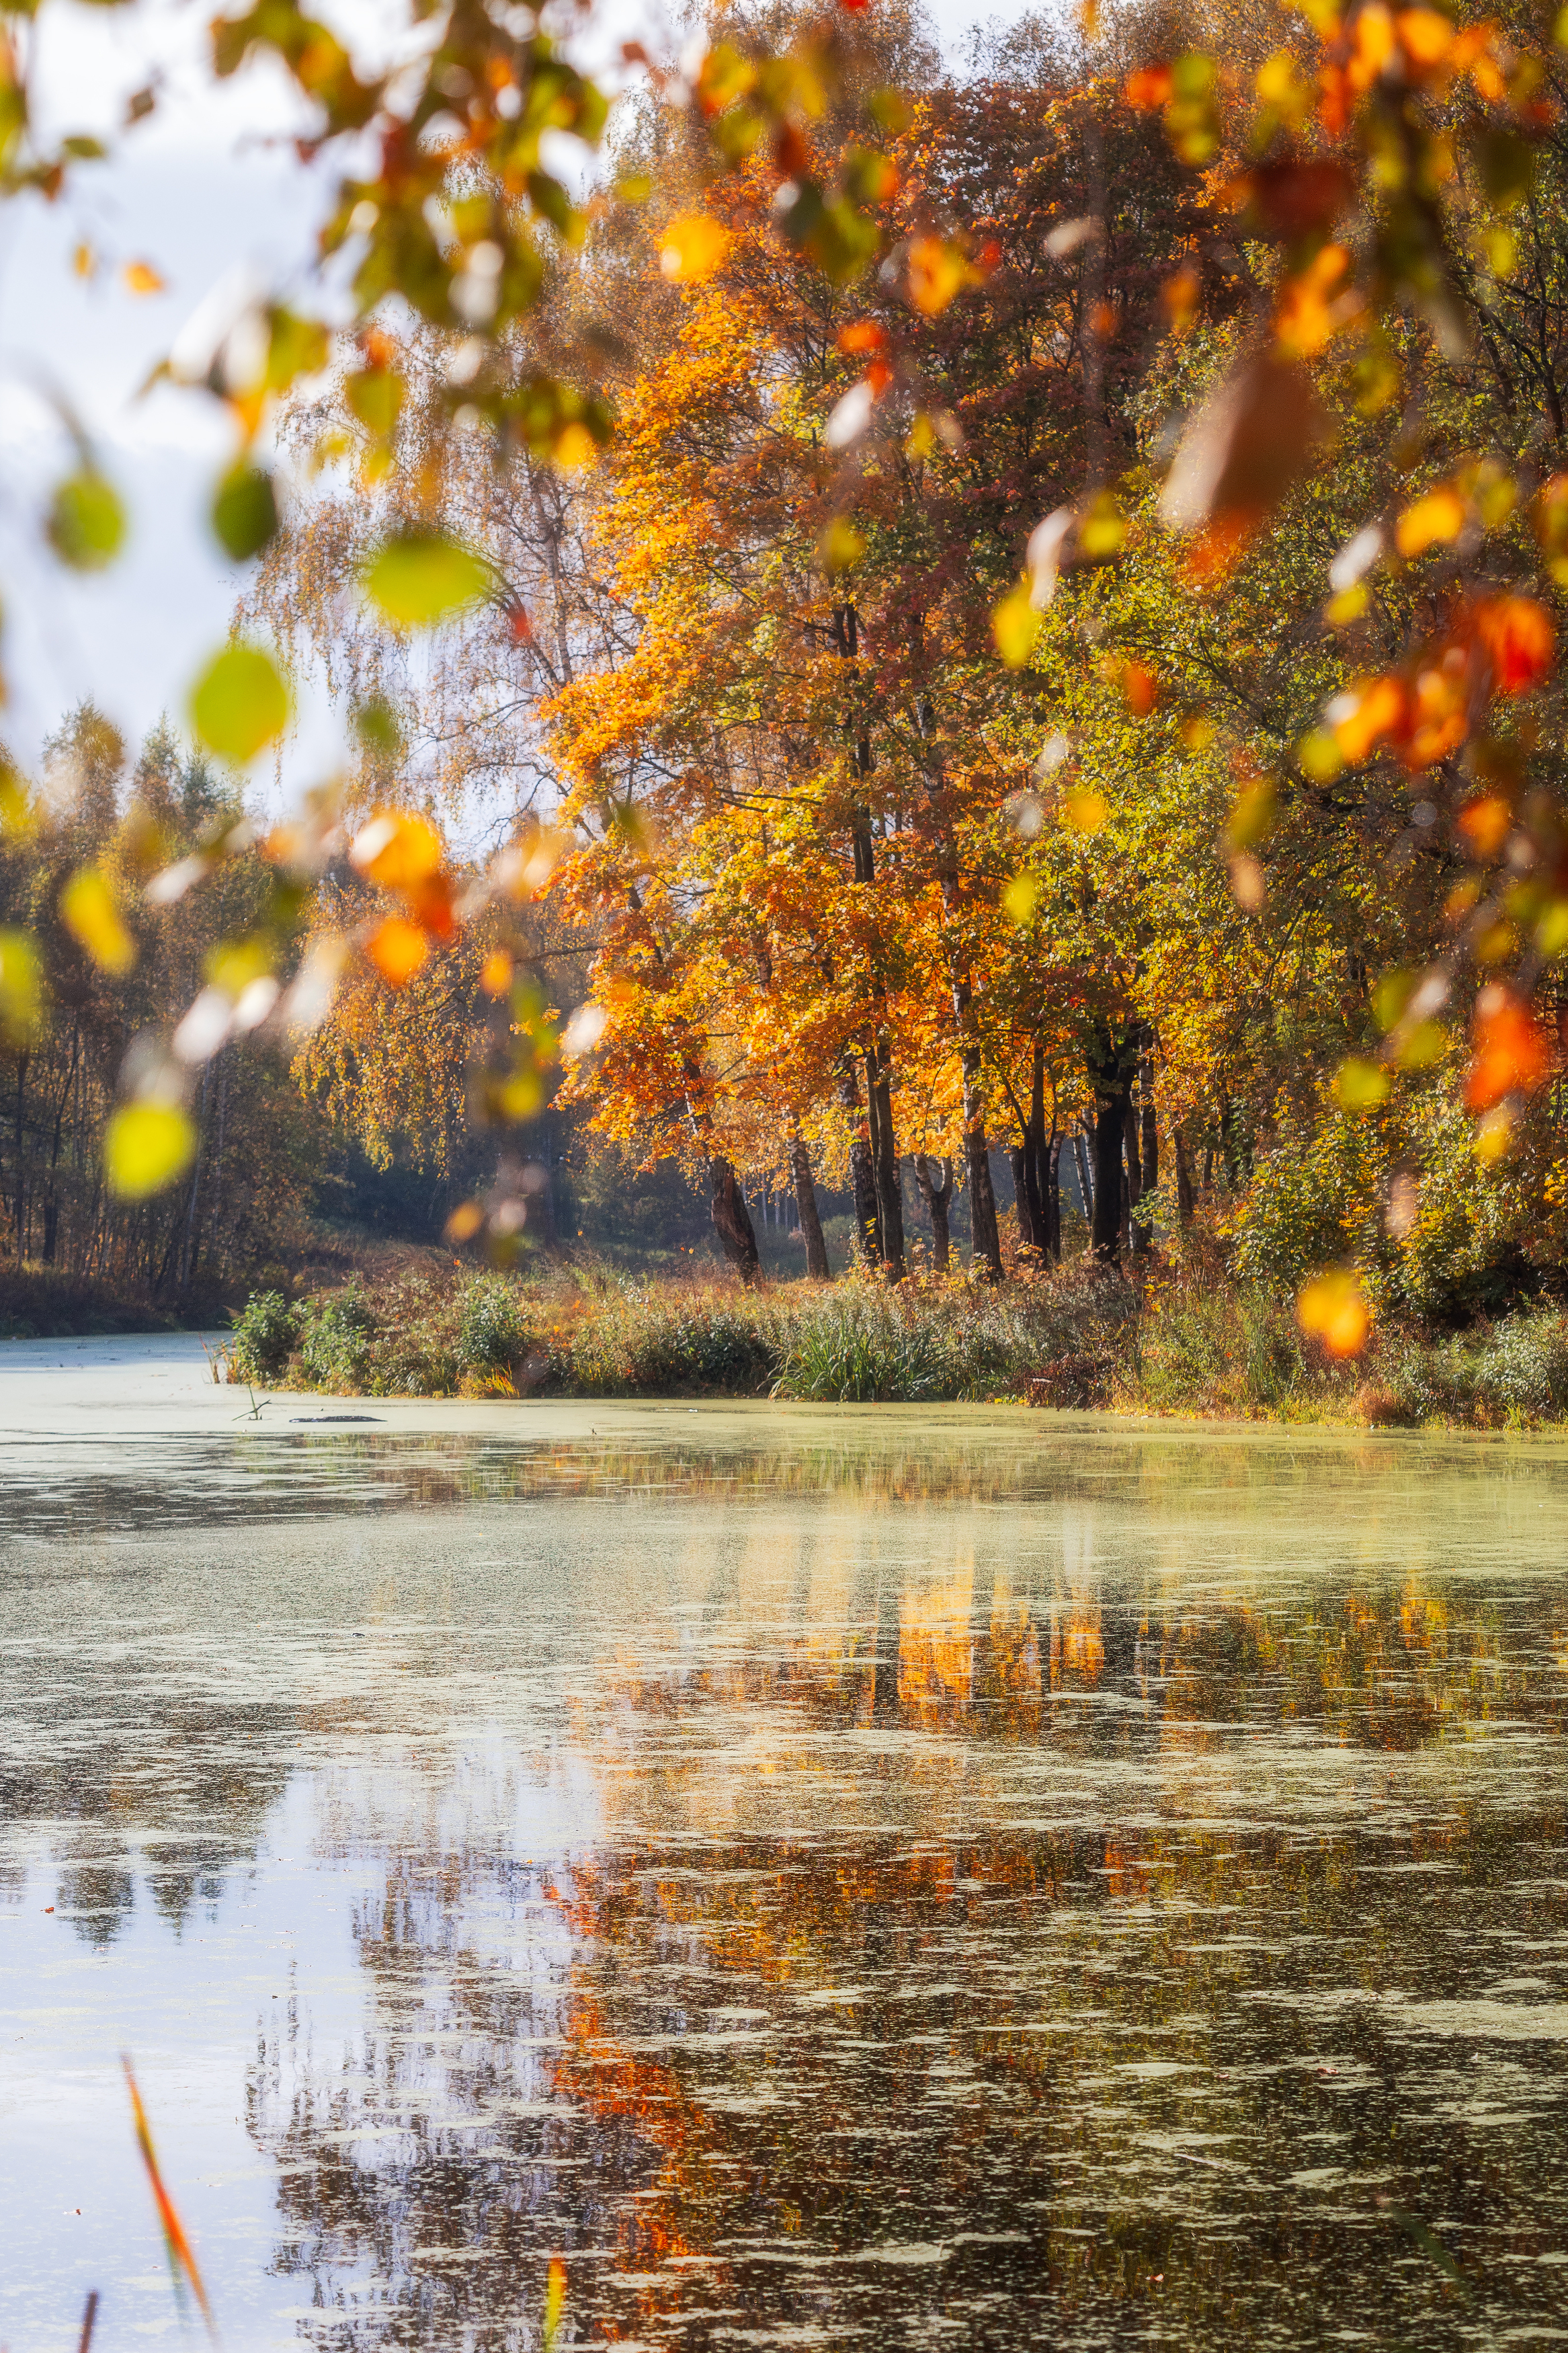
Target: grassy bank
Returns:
[1183, 1343]
[42, 1303]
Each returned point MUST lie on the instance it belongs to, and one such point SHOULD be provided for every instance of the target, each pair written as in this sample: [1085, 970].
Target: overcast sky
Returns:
[201, 191]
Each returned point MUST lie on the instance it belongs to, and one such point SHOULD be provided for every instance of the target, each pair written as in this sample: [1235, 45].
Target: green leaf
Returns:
[421, 576]
[145, 1146]
[375, 397]
[375, 724]
[245, 512]
[86, 521]
[21, 990]
[239, 703]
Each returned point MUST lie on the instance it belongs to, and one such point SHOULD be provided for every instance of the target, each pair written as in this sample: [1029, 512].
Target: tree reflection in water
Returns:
[972, 1955]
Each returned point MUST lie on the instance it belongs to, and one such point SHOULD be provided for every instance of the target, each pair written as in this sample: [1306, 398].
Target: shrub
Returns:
[336, 1339]
[266, 1332]
[858, 1349]
[492, 1336]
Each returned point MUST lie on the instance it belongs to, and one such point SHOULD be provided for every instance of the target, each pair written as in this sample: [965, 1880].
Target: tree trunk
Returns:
[1017, 1161]
[1053, 1198]
[862, 1173]
[1085, 1166]
[1134, 1229]
[806, 1209]
[1149, 1163]
[885, 1165]
[985, 1250]
[1036, 1169]
[1112, 1062]
[936, 1198]
[731, 1220]
[1105, 1227]
[1183, 1183]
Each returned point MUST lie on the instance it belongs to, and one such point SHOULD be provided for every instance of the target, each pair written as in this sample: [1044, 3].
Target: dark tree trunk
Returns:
[885, 1166]
[806, 1209]
[985, 1250]
[1183, 1183]
[1052, 1200]
[1018, 1162]
[1105, 1227]
[862, 1173]
[1112, 1062]
[936, 1198]
[733, 1220]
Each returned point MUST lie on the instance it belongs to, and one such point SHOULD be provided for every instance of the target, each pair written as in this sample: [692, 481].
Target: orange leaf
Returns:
[938, 271]
[397, 948]
[142, 278]
[1179, 295]
[1423, 35]
[180, 2256]
[1378, 710]
[1140, 690]
[1513, 1053]
[397, 849]
[1485, 824]
[692, 248]
[862, 335]
[1519, 641]
[1332, 1307]
[1148, 89]
[1437, 517]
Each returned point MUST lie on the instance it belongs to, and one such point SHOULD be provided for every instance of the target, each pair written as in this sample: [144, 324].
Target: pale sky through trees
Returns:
[206, 190]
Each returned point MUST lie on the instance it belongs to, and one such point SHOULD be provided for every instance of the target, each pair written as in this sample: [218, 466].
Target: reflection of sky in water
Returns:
[841, 1881]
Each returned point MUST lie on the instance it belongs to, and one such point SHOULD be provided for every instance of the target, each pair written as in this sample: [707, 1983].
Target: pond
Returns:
[861, 1878]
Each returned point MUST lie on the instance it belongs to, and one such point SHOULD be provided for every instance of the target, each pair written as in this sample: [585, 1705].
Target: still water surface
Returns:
[852, 1880]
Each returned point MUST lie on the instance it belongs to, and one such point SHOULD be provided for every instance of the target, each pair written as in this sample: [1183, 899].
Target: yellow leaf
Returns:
[840, 544]
[397, 948]
[145, 1146]
[21, 990]
[142, 278]
[1494, 1136]
[1347, 606]
[465, 1222]
[1256, 806]
[1424, 1043]
[1103, 530]
[421, 576]
[84, 261]
[1021, 897]
[239, 703]
[1085, 809]
[1551, 931]
[554, 2300]
[692, 249]
[1437, 518]
[1015, 626]
[1360, 1085]
[89, 914]
[495, 974]
[1332, 1307]
[574, 449]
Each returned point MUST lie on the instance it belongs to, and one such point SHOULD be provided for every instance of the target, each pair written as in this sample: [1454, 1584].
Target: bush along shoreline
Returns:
[1180, 1343]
